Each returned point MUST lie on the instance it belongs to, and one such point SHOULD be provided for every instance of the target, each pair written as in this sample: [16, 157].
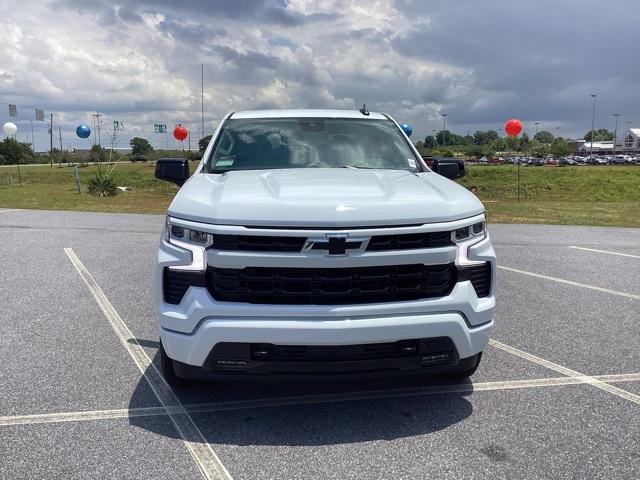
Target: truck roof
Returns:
[307, 113]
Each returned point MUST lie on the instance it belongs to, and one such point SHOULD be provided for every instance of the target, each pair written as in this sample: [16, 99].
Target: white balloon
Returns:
[10, 129]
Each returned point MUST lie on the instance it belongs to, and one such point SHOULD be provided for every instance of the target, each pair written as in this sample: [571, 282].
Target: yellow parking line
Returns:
[632, 397]
[604, 251]
[83, 416]
[570, 282]
[210, 465]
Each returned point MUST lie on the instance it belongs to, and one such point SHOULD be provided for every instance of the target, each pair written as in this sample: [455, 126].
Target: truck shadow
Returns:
[243, 413]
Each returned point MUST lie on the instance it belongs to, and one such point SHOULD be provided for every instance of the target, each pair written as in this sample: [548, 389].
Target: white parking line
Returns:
[10, 210]
[604, 251]
[570, 282]
[567, 371]
[210, 465]
[61, 417]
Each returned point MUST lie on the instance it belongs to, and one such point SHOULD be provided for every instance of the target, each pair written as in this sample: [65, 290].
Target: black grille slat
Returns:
[330, 286]
[257, 243]
[175, 284]
[480, 277]
[409, 241]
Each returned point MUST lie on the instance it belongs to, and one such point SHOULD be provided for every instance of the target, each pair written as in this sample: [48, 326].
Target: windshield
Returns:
[253, 144]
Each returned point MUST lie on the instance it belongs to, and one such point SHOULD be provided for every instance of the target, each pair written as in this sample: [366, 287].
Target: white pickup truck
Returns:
[319, 244]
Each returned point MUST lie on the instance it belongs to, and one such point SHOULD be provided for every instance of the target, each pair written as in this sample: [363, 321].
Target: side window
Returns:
[224, 154]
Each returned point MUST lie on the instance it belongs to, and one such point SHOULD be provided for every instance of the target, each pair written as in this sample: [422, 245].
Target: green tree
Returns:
[203, 142]
[14, 151]
[600, 135]
[499, 145]
[540, 151]
[446, 137]
[513, 143]
[560, 147]
[483, 138]
[140, 147]
[544, 137]
[430, 141]
[97, 153]
[475, 151]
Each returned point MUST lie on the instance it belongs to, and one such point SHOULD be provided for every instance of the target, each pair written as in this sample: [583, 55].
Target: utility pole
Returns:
[97, 120]
[615, 133]
[33, 145]
[593, 124]
[51, 140]
[60, 136]
[536, 124]
[202, 100]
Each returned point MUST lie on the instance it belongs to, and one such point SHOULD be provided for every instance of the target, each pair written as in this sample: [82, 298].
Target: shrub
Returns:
[101, 185]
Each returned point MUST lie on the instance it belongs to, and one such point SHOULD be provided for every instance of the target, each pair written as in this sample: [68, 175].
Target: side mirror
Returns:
[451, 168]
[175, 170]
[447, 167]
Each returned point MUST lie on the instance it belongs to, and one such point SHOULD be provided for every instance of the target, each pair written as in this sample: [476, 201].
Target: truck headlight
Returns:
[475, 231]
[465, 237]
[177, 233]
[195, 241]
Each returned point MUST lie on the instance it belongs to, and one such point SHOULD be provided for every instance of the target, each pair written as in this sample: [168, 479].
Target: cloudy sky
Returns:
[480, 62]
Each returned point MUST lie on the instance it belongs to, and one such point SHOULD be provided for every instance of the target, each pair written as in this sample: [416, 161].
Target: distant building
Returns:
[628, 143]
[576, 145]
[598, 147]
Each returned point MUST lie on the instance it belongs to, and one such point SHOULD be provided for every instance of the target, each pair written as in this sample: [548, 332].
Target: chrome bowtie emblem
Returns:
[334, 244]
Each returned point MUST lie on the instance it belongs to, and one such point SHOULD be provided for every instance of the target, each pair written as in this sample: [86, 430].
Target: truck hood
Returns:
[322, 197]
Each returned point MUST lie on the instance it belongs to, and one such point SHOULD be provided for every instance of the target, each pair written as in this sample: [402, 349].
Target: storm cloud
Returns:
[479, 62]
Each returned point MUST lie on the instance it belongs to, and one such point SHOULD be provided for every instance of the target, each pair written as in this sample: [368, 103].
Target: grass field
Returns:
[598, 195]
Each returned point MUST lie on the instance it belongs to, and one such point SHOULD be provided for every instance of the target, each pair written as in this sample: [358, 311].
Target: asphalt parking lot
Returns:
[557, 394]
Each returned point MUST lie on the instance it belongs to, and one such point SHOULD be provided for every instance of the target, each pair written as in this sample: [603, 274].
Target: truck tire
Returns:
[168, 372]
[470, 371]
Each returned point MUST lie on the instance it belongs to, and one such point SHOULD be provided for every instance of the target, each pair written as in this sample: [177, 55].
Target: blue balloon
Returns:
[407, 129]
[83, 131]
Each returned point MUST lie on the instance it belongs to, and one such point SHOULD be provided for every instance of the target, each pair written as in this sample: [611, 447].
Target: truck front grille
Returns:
[330, 286]
[378, 243]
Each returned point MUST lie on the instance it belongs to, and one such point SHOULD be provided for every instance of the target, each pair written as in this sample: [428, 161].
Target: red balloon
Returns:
[513, 127]
[180, 133]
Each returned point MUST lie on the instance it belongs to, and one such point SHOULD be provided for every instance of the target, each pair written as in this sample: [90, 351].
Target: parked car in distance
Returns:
[138, 158]
[567, 161]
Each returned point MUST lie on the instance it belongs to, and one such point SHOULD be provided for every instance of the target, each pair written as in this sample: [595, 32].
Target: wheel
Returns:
[168, 372]
[469, 371]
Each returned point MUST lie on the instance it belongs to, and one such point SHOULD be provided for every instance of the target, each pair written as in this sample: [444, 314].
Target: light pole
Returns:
[593, 124]
[536, 124]
[201, 103]
[615, 133]
[444, 128]
[557, 131]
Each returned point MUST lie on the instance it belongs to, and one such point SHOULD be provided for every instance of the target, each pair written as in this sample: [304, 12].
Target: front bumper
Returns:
[190, 330]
